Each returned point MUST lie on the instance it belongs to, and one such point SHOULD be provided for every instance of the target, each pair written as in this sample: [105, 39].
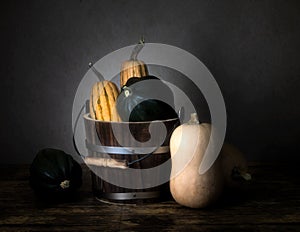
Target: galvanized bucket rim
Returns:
[87, 117]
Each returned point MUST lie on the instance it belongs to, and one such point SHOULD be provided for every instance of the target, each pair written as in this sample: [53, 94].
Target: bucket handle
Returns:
[126, 151]
[140, 159]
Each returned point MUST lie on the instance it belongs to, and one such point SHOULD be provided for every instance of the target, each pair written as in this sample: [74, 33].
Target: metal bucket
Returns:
[115, 146]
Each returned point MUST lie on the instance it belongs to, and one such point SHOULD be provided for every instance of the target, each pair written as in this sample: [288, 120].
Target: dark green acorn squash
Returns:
[145, 99]
[55, 172]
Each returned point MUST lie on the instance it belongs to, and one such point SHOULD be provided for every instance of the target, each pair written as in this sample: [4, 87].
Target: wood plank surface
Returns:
[270, 202]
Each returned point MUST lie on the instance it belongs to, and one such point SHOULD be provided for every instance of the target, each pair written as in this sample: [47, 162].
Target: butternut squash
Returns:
[234, 166]
[188, 144]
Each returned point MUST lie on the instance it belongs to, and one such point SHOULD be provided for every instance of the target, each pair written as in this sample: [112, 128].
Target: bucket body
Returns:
[115, 147]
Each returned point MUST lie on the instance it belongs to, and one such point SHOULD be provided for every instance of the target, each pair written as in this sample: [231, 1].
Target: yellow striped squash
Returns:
[132, 68]
[103, 101]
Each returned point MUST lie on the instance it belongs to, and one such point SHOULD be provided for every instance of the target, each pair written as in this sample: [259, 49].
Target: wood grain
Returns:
[271, 202]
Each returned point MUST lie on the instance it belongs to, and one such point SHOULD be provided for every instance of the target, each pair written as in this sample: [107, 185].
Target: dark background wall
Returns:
[251, 48]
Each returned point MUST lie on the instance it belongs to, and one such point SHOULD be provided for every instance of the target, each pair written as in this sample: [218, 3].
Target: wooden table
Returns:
[271, 202]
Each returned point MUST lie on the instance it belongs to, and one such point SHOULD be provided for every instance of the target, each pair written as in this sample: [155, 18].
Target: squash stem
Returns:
[194, 119]
[127, 91]
[247, 176]
[65, 184]
[136, 50]
[238, 174]
[96, 72]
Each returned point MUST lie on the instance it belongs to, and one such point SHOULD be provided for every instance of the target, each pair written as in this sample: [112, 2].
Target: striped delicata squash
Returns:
[103, 101]
[133, 67]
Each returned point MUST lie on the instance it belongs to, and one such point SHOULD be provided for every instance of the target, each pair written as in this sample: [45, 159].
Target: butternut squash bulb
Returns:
[133, 67]
[234, 166]
[103, 101]
[188, 144]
